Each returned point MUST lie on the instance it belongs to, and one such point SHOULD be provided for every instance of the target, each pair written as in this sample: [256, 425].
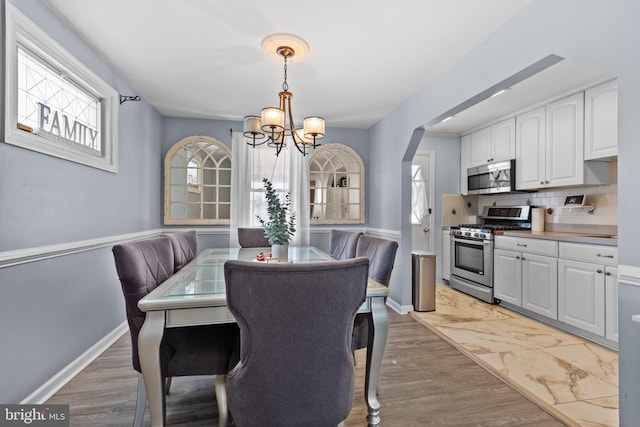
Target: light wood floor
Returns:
[424, 382]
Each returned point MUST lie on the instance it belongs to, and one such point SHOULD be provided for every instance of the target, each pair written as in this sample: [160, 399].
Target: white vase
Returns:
[280, 251]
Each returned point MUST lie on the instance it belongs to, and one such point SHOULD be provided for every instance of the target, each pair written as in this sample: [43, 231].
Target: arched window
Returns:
[197, 182]
[336, 174]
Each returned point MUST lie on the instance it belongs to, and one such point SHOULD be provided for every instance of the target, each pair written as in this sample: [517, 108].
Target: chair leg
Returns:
[167, 386]
[141, 402]
[221, 398]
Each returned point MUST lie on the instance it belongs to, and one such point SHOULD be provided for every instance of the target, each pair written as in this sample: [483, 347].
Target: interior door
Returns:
[422, 219]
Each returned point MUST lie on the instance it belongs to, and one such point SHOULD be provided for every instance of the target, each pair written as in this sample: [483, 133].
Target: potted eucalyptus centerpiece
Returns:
[279, 228]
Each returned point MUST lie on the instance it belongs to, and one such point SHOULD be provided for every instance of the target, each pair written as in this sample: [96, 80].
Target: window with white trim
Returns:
[54, 104]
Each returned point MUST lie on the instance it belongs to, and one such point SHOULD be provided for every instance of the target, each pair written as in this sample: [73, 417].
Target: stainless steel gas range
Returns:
[472, 248]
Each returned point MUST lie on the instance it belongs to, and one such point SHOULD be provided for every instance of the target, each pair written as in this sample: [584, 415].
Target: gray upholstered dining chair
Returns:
[185, 247]
[197, 350]
[381, 254]
[296, 321]
[342, 244]
[252, 238]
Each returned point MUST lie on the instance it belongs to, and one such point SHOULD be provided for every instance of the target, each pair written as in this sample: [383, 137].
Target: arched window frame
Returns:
[202, 186]
[329, 158]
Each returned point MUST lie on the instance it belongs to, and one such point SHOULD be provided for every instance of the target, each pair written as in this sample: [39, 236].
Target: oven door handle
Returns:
[472, 242]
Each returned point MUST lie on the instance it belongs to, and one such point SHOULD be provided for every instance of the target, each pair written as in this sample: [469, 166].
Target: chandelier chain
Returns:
[285, 85]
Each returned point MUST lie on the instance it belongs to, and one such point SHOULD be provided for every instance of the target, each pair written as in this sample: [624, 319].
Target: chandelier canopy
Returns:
[275, 125]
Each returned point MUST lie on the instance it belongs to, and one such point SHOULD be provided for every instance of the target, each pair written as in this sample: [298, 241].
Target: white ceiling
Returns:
[203, 58]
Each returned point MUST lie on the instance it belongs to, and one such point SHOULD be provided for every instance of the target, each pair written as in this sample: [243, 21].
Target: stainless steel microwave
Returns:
[499, 177]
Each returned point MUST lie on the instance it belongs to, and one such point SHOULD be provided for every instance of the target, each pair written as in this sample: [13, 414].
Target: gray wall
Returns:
[602, 34]
[52, 310]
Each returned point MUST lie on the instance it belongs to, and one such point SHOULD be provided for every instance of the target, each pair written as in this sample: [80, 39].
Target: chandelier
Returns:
[275, 125]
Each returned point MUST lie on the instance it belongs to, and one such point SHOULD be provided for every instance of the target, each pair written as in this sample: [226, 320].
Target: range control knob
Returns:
[468, 234]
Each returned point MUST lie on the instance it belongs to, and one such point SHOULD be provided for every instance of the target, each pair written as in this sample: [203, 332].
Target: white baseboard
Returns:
[55, 383]
[400, 309]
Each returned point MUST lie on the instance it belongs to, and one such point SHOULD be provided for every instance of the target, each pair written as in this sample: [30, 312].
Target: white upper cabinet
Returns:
[503, 140]
[550, 147]
[601, 121]
[565, 142]
[494, 143]
[530, 149]
[481, 147]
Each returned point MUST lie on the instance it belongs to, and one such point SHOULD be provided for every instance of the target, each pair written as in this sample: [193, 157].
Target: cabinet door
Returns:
[581, 298]
[503, 140]
[530, 149]
[611, 303]
[601, 121]
[540, 285]
[481, 147]
[465, 162]
[507, 273]
[564, 157]
[446, 254]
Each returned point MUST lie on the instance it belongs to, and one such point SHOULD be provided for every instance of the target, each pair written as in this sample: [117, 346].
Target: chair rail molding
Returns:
[22, 256]
[629, 275]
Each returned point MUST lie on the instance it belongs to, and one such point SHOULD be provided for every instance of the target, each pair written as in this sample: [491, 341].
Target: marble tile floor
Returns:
[573, 379]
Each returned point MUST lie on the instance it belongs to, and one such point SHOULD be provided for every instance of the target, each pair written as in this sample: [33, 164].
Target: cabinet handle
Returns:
[608, 273]
[598, 271]
[542, 182]
[517, 257]
[546, 182]
[523, 258]
[604, 256]
[524, 245]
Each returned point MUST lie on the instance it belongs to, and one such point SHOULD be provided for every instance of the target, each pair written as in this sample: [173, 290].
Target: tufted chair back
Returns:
[185, 247]
[381, 254]
[252, 238]
[296, 366]
[141, 267]
[342, 244]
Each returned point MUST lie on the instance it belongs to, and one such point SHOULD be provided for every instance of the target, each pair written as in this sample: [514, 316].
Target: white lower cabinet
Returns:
[527, 277]
[611, 303]
[583, 274]
[540, 285]
[526, 280]
[507, 276]
[581, 295]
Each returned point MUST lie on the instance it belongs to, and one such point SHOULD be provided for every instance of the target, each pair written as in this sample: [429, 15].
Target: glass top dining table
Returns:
[195, 295]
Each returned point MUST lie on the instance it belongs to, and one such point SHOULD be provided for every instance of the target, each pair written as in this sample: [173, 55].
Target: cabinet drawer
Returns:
[597, 254]
[531, 246]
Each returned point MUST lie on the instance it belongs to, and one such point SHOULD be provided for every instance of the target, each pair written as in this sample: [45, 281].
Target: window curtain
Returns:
[247, 171]
[241, 176]
[299, 188]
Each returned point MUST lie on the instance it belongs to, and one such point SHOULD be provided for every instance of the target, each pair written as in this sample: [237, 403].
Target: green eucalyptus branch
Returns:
[279, 228]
